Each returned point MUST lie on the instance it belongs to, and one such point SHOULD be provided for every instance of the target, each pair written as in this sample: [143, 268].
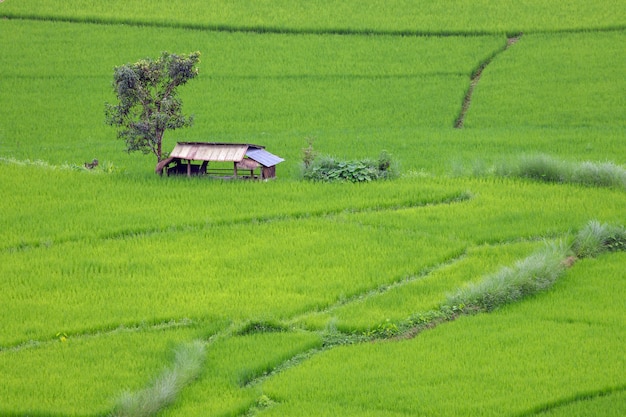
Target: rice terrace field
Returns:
[487, 278]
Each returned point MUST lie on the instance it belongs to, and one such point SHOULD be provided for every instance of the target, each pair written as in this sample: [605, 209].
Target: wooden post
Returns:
[189, 167]
[235, 168]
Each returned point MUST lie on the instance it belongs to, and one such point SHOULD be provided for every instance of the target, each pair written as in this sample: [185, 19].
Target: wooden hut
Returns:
[194, 158]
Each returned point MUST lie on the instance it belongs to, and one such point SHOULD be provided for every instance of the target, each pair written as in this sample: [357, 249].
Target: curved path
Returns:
[476, 77]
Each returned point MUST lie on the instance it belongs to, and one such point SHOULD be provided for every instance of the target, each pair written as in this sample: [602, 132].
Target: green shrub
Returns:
[327, 168]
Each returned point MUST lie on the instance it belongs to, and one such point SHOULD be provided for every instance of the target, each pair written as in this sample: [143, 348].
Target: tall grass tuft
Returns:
[605, 174]
[543, 168]
[596, 238]
[187, 366]
[539, 271]
[548, 169]
[528, 276]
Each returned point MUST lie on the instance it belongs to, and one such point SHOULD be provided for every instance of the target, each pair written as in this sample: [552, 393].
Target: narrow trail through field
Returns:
[476, 78]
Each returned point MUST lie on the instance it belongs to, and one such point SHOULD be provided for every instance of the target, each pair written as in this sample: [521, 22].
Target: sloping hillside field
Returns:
[487, 279]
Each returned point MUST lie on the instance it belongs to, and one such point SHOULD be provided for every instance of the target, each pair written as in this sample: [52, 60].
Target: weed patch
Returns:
[266, 326]
[328, 169]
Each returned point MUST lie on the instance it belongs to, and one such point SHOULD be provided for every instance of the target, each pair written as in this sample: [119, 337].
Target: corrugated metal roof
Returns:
[223, 152]
[263, 157]
[200, 151]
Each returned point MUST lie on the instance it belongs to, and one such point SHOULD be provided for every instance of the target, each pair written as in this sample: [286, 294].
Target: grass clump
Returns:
[538, 271]
[188, 363]
[605, 174]
[596, 238]
[261, 326]
[528, 276]
[543, 168]
[548, 169]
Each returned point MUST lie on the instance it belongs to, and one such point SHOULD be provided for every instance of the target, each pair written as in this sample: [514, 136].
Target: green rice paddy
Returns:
[312, 298]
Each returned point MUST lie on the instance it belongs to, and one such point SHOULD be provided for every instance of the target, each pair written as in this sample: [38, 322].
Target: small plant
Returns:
[265, 402]
[384, 330]
[109, 168]
[423, 318]
[387, 166]
[262, 403]
[308, 153]
[262, 326]
[334, 337]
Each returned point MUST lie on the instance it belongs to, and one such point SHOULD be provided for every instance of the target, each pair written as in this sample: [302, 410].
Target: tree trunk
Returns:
[159, 140]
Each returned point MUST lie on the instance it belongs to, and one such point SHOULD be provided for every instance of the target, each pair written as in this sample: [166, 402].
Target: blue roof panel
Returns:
[263, 157]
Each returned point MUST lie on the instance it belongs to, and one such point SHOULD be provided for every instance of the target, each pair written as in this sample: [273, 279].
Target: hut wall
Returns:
[268, 172]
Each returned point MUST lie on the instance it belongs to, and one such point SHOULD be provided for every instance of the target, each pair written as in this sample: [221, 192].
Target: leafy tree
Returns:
[148, 100]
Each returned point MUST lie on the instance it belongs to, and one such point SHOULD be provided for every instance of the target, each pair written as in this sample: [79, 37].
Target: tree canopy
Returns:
[148, 101]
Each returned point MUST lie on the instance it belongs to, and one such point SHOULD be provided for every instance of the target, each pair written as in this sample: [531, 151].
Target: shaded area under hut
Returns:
[196, 158]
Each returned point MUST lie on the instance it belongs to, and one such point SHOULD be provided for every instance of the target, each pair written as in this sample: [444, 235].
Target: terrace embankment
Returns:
[476, 78]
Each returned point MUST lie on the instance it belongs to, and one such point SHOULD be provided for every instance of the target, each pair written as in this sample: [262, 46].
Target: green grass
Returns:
[84, 375]
[74, 282]
[505, 210]
[106, 273]
[565, 80]
[271, 89]
[533, 274]
[233, 365]
[338, 16]
[95, 207]
[611, 404]
[85, 286]
[545, 168]
[188, 364]
[549, 348]
[417, 294]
